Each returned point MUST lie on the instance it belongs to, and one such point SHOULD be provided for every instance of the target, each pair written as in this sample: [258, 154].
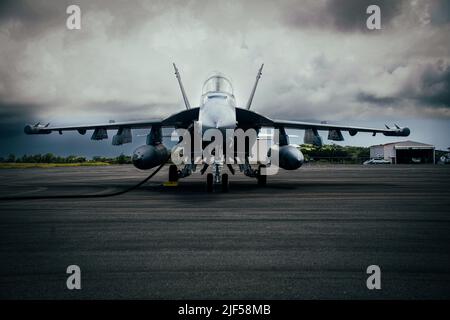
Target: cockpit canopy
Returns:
[217, 83]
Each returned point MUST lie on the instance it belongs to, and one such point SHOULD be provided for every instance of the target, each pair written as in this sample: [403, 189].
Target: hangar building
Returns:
[404, 152]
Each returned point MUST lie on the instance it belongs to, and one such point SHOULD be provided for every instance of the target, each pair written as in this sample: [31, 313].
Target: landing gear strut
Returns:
[216, 178]
[261, 178]
[173, 173]
[252, 173]
[209, 183]
[225, 185]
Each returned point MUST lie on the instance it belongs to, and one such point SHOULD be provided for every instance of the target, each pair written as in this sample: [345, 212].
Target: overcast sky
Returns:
[321, 63]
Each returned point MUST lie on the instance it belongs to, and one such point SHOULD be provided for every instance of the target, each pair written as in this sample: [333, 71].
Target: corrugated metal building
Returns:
[404, 152]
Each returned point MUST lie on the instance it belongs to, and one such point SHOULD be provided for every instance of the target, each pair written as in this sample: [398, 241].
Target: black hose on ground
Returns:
[81, 196]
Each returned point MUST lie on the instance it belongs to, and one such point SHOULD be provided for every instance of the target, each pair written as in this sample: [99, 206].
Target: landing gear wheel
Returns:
[209, 182]
[173, 173]
[262, 179]
[225, 185]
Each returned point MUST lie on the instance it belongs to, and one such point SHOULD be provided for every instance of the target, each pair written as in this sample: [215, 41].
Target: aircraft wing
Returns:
[41, 129]
[180, 119]
[397, 131]
[249, 119]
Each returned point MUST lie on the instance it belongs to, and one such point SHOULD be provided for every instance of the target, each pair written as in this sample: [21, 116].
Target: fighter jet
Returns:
[217, 109]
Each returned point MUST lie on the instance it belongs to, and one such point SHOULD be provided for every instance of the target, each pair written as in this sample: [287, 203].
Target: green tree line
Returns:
[335, 153]
[326, 153]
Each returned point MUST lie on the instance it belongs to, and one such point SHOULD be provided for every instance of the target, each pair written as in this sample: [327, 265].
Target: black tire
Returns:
[173, 173]
[225, 183]
[262, 179]
[209, 182]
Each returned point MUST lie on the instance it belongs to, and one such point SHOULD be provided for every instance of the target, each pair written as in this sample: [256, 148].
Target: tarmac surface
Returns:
[309, 234]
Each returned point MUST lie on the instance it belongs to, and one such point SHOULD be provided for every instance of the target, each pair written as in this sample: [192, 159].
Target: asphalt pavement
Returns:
[308, 234]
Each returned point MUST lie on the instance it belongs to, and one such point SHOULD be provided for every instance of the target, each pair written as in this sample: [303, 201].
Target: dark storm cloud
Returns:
[13, 117]
[349, 15]
[428, 86]
[341, 15]
[434, 85]
[373, 99]
[320, 61]
[21, 10]
[14, 111]
[28, 18]
[440, 12]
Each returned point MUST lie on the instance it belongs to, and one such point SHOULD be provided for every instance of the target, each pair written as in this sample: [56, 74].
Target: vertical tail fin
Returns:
[252, 94]
[186, 101]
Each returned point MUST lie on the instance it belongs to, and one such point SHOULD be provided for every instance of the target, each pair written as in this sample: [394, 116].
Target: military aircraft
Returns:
[218, 110]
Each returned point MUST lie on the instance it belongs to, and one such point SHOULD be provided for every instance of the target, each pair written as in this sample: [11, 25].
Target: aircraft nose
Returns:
[218, 125]
[210, 123]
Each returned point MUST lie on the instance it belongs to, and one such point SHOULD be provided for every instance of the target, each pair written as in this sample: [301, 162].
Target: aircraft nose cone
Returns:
[210, 123]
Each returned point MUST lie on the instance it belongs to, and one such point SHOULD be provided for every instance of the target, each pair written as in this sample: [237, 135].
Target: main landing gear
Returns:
[175, 174]
[261, 178]
[252, 173]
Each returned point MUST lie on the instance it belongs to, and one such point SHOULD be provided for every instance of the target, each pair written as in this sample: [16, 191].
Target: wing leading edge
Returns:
[180, 119]
[40, 129]
[397, 132]
[249, 119]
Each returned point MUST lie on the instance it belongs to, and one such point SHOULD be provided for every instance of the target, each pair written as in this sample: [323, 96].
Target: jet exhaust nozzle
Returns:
[148, 156]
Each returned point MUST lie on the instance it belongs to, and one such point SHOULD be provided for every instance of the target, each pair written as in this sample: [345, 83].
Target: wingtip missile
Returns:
[37, 129]
[398, 132]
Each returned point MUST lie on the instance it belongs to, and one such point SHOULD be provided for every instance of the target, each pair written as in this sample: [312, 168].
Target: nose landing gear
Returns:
[224, 183]
[216, 178]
